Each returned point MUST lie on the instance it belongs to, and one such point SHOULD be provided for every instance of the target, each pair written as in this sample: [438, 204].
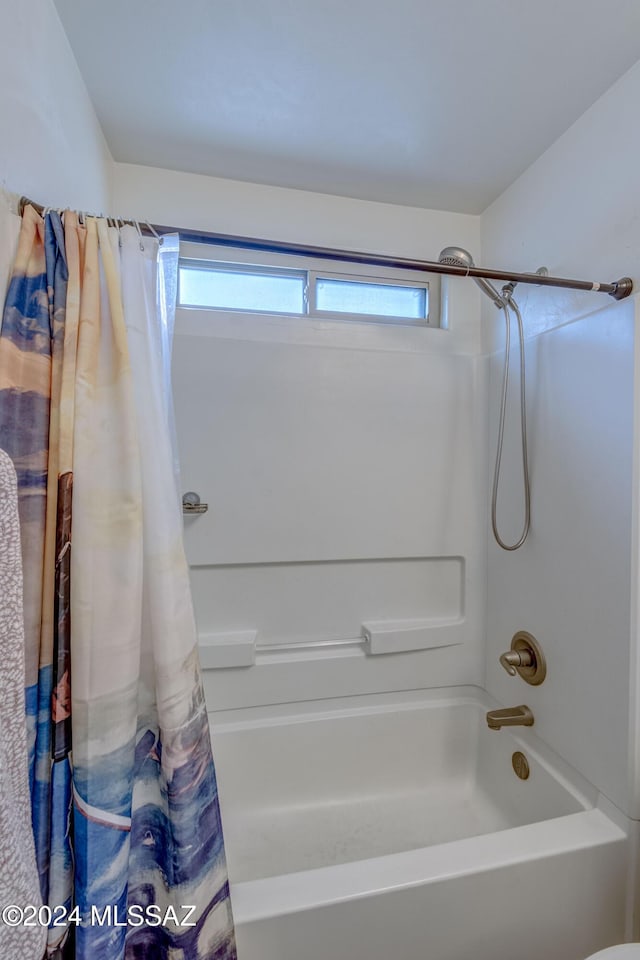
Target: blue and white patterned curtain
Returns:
[124, 797]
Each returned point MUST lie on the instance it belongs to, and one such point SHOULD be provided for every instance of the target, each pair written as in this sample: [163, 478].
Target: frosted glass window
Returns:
[224, 288]
[371, 299]
[294, 286]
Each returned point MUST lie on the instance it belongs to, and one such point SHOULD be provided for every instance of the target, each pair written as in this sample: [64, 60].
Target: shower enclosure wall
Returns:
[572, 587]
[345, 471]
[347, 476]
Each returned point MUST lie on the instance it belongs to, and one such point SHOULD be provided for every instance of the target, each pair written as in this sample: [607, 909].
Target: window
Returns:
[347, 295]
[259, 283]
[237, 287]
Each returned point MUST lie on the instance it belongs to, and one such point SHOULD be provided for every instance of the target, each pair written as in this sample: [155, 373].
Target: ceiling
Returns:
[418, 102]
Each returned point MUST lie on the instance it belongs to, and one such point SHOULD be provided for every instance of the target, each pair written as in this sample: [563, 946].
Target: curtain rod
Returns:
[619, 289]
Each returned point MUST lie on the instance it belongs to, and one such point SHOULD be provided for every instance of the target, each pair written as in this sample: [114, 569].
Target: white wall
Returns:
[576, 210]
[341, 463]
[51, 145]
[574, 583]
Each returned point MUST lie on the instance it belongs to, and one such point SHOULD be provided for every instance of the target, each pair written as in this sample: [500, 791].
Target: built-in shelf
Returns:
[401, 636]
[239, 648]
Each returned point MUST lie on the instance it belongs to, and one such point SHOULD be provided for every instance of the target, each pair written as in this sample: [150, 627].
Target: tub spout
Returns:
[510, 717]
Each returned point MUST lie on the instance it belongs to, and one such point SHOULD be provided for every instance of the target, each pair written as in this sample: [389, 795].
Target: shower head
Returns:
[458, 257]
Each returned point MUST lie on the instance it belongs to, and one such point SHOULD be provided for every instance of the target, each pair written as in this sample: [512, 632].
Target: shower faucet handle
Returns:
[525, 659]
[513, 659]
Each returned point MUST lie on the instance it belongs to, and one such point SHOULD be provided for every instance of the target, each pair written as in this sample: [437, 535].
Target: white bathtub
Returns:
[394, 826]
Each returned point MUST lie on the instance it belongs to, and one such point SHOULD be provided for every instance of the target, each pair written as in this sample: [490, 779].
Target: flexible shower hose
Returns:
[510, 303]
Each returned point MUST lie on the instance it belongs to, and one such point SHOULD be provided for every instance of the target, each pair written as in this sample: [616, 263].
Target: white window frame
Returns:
[315, 268]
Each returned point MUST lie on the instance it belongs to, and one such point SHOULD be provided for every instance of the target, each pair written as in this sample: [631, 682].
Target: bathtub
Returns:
[394, 826]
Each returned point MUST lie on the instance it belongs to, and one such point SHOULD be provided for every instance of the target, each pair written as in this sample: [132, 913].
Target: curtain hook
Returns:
[155, 233]
[139, 235]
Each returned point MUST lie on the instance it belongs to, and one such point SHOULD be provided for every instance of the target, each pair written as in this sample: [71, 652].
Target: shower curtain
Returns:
[125, 810]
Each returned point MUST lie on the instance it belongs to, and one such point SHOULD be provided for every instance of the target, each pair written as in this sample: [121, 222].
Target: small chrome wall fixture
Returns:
[525, 658]
[191, 504]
